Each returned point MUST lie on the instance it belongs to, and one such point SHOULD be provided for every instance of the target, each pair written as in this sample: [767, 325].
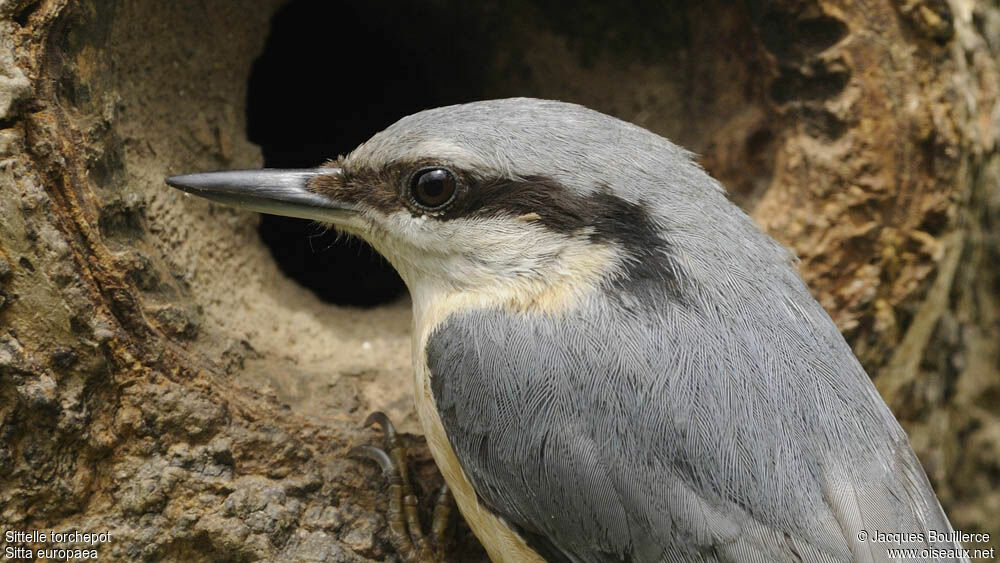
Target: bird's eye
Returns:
[433, 188]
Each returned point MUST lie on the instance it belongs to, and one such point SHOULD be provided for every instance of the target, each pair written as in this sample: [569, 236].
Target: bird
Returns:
[612, 362]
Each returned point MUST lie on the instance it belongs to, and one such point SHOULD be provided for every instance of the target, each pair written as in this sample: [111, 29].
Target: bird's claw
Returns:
[405, 531]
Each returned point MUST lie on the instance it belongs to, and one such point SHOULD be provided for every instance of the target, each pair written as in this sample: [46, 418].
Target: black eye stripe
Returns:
[433, 188]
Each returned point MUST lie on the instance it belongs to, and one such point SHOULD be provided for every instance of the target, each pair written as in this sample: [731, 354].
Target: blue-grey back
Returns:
[698, 429]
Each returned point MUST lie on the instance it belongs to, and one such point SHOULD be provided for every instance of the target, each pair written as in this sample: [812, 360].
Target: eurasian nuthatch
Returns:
[612, 362]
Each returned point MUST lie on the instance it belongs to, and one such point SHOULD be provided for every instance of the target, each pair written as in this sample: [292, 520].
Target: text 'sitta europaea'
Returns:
[612, 362]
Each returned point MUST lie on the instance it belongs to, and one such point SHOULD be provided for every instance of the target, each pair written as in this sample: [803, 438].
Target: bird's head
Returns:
[522, 201]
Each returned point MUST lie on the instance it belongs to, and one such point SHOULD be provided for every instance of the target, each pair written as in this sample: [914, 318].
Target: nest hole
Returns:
[332, 74]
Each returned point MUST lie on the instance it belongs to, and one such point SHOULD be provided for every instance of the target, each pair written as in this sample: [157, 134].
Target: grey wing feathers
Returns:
[899, 498]
[643, 443]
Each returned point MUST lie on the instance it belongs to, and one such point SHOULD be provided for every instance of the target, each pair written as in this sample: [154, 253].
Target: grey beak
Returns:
[279, 192]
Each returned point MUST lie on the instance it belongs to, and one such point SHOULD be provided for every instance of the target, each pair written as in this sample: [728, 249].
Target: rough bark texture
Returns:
[161, 380]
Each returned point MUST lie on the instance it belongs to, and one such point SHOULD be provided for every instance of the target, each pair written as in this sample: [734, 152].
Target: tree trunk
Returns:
[161, 379]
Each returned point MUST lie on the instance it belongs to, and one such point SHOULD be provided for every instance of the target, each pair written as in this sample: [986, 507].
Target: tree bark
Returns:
[160, 379]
